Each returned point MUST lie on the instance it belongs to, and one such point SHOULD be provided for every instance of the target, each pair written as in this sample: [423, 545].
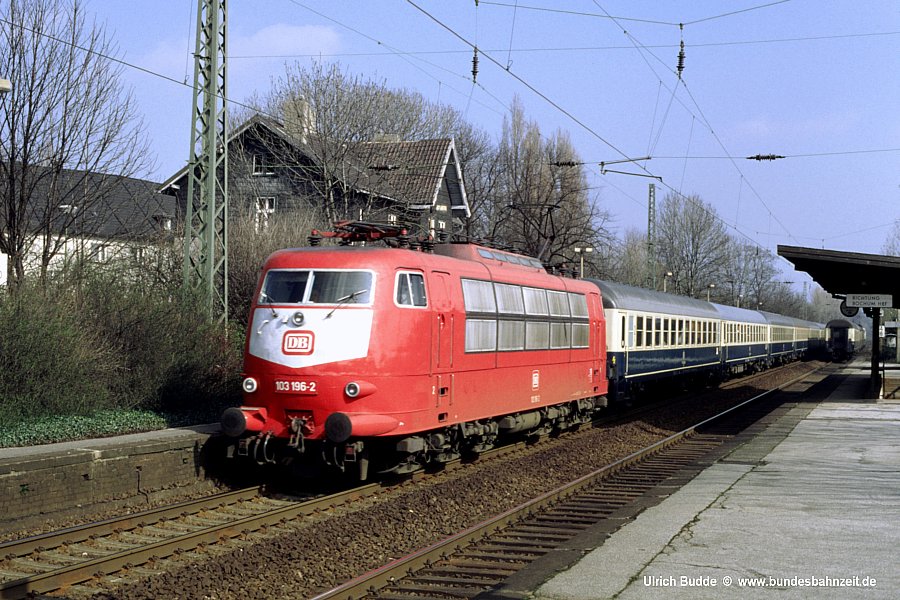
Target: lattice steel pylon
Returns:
[651, 237]
[206, 213]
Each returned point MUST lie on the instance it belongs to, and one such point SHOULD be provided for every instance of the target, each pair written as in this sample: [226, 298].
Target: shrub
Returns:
[49, 362]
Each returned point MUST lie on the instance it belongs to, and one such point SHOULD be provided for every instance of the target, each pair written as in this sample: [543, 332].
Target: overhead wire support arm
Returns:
[604, 170]
[761, 157]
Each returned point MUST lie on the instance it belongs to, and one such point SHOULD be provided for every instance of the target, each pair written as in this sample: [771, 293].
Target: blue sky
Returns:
[814, 80]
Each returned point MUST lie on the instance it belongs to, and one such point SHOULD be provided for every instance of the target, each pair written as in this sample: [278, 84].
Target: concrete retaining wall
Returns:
[51, 482]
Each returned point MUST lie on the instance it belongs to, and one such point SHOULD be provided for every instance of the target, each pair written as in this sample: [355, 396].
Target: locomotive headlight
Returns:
[297, 319]
[250, 385]
[359, 389]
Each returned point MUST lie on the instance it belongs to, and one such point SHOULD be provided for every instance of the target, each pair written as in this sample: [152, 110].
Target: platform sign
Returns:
[870, 300]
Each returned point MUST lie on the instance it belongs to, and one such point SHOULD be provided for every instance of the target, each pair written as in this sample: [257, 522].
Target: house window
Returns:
[98, 252]
[265, 208]
[261, 165]
[163, 222]
[392, 218]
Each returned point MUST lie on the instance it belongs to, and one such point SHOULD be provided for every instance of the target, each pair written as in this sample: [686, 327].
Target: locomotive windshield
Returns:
[316, 287]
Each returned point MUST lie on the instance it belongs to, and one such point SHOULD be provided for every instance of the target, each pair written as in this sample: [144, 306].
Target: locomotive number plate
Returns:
[295, 386]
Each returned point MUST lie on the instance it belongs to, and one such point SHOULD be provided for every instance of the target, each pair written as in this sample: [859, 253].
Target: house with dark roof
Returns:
[274, 170]
[79, 215]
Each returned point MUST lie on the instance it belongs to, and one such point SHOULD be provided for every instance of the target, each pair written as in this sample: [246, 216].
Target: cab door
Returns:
[442, 330]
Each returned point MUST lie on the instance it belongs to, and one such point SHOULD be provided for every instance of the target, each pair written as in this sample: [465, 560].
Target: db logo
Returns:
[298, 342]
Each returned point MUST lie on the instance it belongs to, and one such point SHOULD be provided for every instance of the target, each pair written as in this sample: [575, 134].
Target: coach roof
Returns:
[627, 297]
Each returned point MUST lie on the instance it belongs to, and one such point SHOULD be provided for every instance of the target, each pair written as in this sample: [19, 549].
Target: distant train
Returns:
[400, 357]
[844, 339]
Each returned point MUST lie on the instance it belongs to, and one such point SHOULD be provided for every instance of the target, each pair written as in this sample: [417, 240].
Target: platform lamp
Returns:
[709, 288]
[581, 251]
[666, 279]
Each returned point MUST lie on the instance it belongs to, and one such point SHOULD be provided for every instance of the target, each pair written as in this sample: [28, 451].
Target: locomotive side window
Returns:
[559, 335]
[537, 335]
[578, 304]
[509, 299]
[511, 335]
[481, 335]
[411, 290]
[478, 296]
[559, 304]
[581, 335]
[507, 317]
[536, 301]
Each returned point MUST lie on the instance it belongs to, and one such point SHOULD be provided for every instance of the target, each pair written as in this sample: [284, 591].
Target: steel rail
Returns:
[83, 571]
[369, 583]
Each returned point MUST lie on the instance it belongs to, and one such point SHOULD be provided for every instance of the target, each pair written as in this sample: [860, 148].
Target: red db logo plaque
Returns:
[298, 342]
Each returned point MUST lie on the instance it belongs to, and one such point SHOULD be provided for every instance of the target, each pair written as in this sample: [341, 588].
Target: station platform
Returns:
[808, 507]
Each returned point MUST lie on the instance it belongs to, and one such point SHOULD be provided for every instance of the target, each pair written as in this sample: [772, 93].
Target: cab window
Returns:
[411, 290]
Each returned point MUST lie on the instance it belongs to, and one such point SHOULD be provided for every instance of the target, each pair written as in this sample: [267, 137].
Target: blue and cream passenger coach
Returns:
[651, 335]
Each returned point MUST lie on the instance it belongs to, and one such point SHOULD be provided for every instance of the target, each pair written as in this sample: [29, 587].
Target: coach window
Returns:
[411, 290]
[657, 332]
[631, 331]
[639, 330]
[623, 331]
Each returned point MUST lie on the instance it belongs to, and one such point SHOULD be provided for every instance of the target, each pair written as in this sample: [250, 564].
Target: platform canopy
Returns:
[844, 273]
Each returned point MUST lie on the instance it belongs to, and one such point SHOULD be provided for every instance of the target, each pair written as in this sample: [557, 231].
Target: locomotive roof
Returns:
[743, 315]
[621, 296]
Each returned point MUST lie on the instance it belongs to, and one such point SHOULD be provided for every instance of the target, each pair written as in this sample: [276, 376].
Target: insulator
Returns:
[475, 65]
[681, 60]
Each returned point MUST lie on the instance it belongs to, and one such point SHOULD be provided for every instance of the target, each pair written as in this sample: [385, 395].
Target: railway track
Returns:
[55, 560]
[72, 556]
[471, 562]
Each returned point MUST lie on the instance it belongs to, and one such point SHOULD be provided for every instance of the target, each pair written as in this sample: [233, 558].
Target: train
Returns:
[392, 358]
[844, 339]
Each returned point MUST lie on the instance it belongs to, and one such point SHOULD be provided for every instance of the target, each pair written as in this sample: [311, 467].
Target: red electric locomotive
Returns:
[407, 356]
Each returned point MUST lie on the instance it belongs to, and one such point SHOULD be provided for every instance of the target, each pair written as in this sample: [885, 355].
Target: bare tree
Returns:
[692, 243]
[891, 245]
[543, 205]
[69, 130]
[632, 263]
